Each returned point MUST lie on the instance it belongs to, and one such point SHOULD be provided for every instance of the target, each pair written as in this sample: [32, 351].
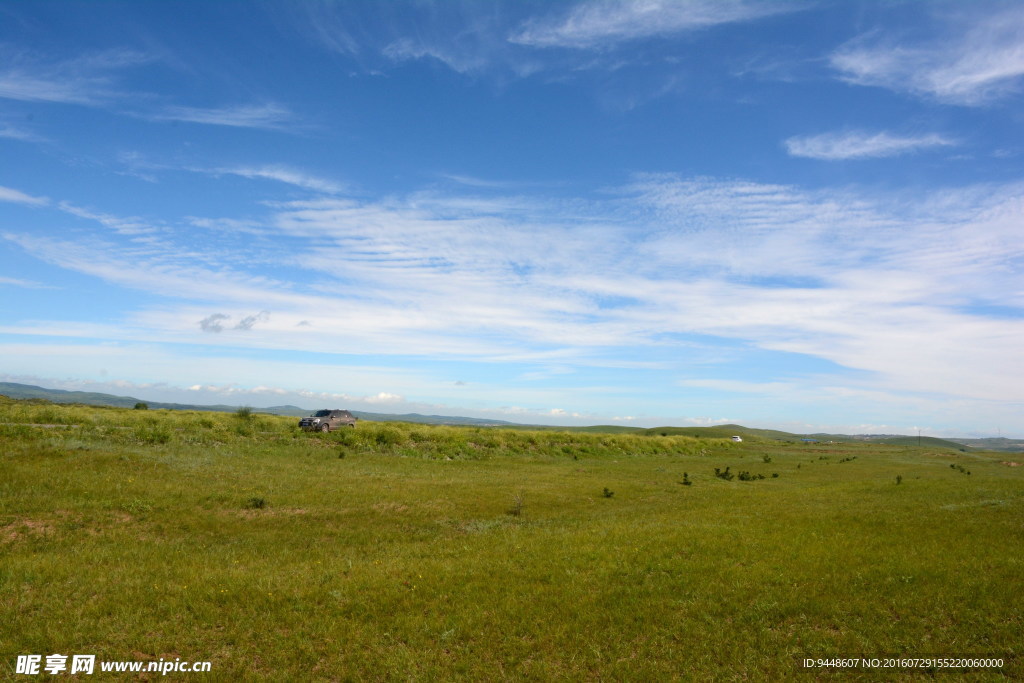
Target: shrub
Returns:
[388, 436]
[152, 433]
[256, 503]
[243, 427]
[518, 503]
[607, 493]
[726, 474]
[141, 406]
[244, 413]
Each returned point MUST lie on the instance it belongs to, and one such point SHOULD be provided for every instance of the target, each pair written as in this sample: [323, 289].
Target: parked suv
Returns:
[326, 420]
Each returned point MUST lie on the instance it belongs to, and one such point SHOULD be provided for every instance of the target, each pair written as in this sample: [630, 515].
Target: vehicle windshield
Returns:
[321, 413]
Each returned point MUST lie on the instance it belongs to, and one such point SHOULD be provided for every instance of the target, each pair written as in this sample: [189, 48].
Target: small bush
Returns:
[256, 503]
[766, 458]
[518, 503]
[152, 434]
[686, 480]
[726, 474]
[244, 413]
[141, 406]
[388, 436]
[244, 427]
[607, 493]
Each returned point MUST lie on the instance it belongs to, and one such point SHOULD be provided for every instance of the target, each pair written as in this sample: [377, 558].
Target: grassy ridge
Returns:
[430, 553]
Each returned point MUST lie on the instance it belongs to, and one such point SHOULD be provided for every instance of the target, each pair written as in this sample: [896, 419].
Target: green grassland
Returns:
[415, 552]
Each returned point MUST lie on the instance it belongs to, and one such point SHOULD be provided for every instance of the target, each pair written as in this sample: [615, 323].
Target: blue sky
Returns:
[800, 215]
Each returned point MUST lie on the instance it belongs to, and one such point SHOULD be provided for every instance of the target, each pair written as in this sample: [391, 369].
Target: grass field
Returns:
[412, 552]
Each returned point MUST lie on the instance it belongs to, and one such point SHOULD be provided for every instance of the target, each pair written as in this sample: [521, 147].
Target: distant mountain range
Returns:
[29, 391]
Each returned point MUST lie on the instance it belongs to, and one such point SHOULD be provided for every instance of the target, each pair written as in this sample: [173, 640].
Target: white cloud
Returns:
[892, 287]
[283, 174]
[979, 59]
[8, 194]
[774, 389]
[606, 22]
[124, 226]
[12, 133]
[92, 80]
[27, 284]
[155, 268]
[89, 80]
[385, 398]
[18, 85]
[461, 61]
[708, 421]
[268, 116]
[861, 145]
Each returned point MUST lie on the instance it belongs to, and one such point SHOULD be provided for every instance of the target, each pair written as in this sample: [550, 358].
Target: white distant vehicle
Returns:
[737, 439]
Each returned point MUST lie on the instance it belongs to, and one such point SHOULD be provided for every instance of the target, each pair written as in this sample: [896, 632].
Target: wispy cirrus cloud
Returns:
[506, 41]
[460, 60]
[26, 284]
[97, 80]
[14, 133]
[91, 79]
[977, 60]
[895, 288]
[608, 22]
[124, 226]
[158, 267]
[282, 174]
[468, 38]
[8, 194]
[138, 165]
[861, 145]
[268, 116]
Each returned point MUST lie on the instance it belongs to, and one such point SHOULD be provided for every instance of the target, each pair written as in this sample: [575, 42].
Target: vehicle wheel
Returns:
[325, 427]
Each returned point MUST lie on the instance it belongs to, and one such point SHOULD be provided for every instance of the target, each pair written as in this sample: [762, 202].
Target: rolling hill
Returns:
[29, 391]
